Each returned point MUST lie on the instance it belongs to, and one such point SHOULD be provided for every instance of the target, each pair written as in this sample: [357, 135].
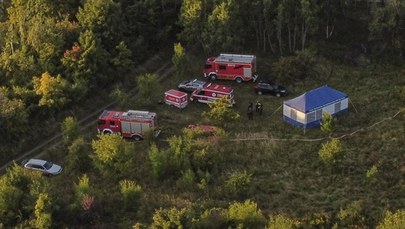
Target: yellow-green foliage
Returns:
[330, 151]
[130, 191]
[220, 111]
[238, 181]
[393, 220]
[280, 221]
[246, 214]
[372, 171]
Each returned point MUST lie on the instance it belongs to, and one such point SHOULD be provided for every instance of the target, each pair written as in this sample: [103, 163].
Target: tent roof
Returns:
[315, 99]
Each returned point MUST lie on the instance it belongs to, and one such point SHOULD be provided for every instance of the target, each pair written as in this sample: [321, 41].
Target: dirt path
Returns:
[91, 119]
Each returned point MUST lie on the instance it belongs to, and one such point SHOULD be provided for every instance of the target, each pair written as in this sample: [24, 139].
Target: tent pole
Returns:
[353, 105]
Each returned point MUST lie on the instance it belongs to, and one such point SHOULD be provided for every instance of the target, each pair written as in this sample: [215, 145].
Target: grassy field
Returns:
[287, 175]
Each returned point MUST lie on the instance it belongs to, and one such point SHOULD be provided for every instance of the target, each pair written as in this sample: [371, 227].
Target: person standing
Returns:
[259, 107]
[250, 111]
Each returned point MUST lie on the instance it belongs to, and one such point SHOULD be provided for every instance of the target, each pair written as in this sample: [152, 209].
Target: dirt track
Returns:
[91, 118]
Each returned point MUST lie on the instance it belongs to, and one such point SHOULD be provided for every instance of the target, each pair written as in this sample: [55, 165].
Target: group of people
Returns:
[259, 109]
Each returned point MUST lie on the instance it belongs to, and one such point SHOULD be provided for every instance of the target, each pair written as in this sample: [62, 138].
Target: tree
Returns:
[217, 35]
[123, 60]
[282, 221]
[393, 220]
[191, 21]
[86, 62]
[388, 21]
[34, 38]
[113, 155]
[70, 129]
[51, 89]
[78, 161]
[43, 212]
[179, 60]
[246, 215]
[158, 160]
[149, 89]
[13, 116]
[220, 112]
[327, 123]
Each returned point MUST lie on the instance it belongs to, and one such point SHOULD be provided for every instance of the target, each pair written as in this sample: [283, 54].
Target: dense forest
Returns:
[61, 60]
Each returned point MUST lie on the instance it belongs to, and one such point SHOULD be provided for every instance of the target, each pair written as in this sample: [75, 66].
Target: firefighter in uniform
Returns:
[259, 107]
[250, 111]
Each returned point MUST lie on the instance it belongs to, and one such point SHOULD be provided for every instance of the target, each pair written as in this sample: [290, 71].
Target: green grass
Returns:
[288, 176]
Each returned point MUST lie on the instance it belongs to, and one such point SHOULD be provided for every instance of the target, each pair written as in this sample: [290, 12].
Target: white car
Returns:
[43, 166]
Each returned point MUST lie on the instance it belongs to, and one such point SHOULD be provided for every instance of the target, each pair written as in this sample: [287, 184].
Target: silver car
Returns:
[191, 85]
[46, 167]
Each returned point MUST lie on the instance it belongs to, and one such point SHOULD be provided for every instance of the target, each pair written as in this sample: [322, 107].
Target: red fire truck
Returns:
[231, 67]
[211, 92]
[130, 124]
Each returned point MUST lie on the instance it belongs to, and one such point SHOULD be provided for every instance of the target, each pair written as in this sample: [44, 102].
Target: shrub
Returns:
[70, 129]
[372, 171]
[171, 218]
[157, 160]
[131, 193]
[394, 220]
[220, 112]
[238, 182]
[281, 221]
[186, 180]
[331, 151]
[246, 215]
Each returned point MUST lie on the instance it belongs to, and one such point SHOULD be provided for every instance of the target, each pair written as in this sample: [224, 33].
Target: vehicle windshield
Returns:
[48, 165]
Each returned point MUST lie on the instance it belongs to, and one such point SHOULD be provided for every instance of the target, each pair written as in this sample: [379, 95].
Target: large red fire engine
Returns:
[231, 67]
[130, 124]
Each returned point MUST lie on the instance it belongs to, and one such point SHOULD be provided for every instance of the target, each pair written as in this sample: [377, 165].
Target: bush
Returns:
[238, 182]
[280, 221]
[131, 193]
[394, 220]
[171, 218]
[246, 215]
[331, 151]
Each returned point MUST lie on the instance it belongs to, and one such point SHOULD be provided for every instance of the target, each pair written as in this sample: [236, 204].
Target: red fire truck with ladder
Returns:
[130, 124]
[231, 67]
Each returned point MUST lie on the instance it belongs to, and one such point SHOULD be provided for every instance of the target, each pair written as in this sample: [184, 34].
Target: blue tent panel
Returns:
[293, 122]
[315, 99]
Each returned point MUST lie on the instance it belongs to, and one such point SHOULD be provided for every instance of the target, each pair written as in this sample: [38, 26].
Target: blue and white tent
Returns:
[306, 110]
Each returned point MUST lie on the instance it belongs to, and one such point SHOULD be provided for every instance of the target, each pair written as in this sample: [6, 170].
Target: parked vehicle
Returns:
[176, 98]
[130, 124]
[267, 87]
[191, 85]
[211, 92]
[45, 167]
[231, 67]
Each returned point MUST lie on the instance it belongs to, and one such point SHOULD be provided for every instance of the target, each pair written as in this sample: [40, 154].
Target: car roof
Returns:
[36, 161]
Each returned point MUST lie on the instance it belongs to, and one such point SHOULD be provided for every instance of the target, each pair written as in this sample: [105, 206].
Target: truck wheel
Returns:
[213, 77]
[136, 138]
[238, 80]
[106, 132]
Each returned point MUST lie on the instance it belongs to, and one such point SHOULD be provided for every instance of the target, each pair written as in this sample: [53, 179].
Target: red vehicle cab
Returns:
[211, 92]
[130, 124]
[231, 67]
